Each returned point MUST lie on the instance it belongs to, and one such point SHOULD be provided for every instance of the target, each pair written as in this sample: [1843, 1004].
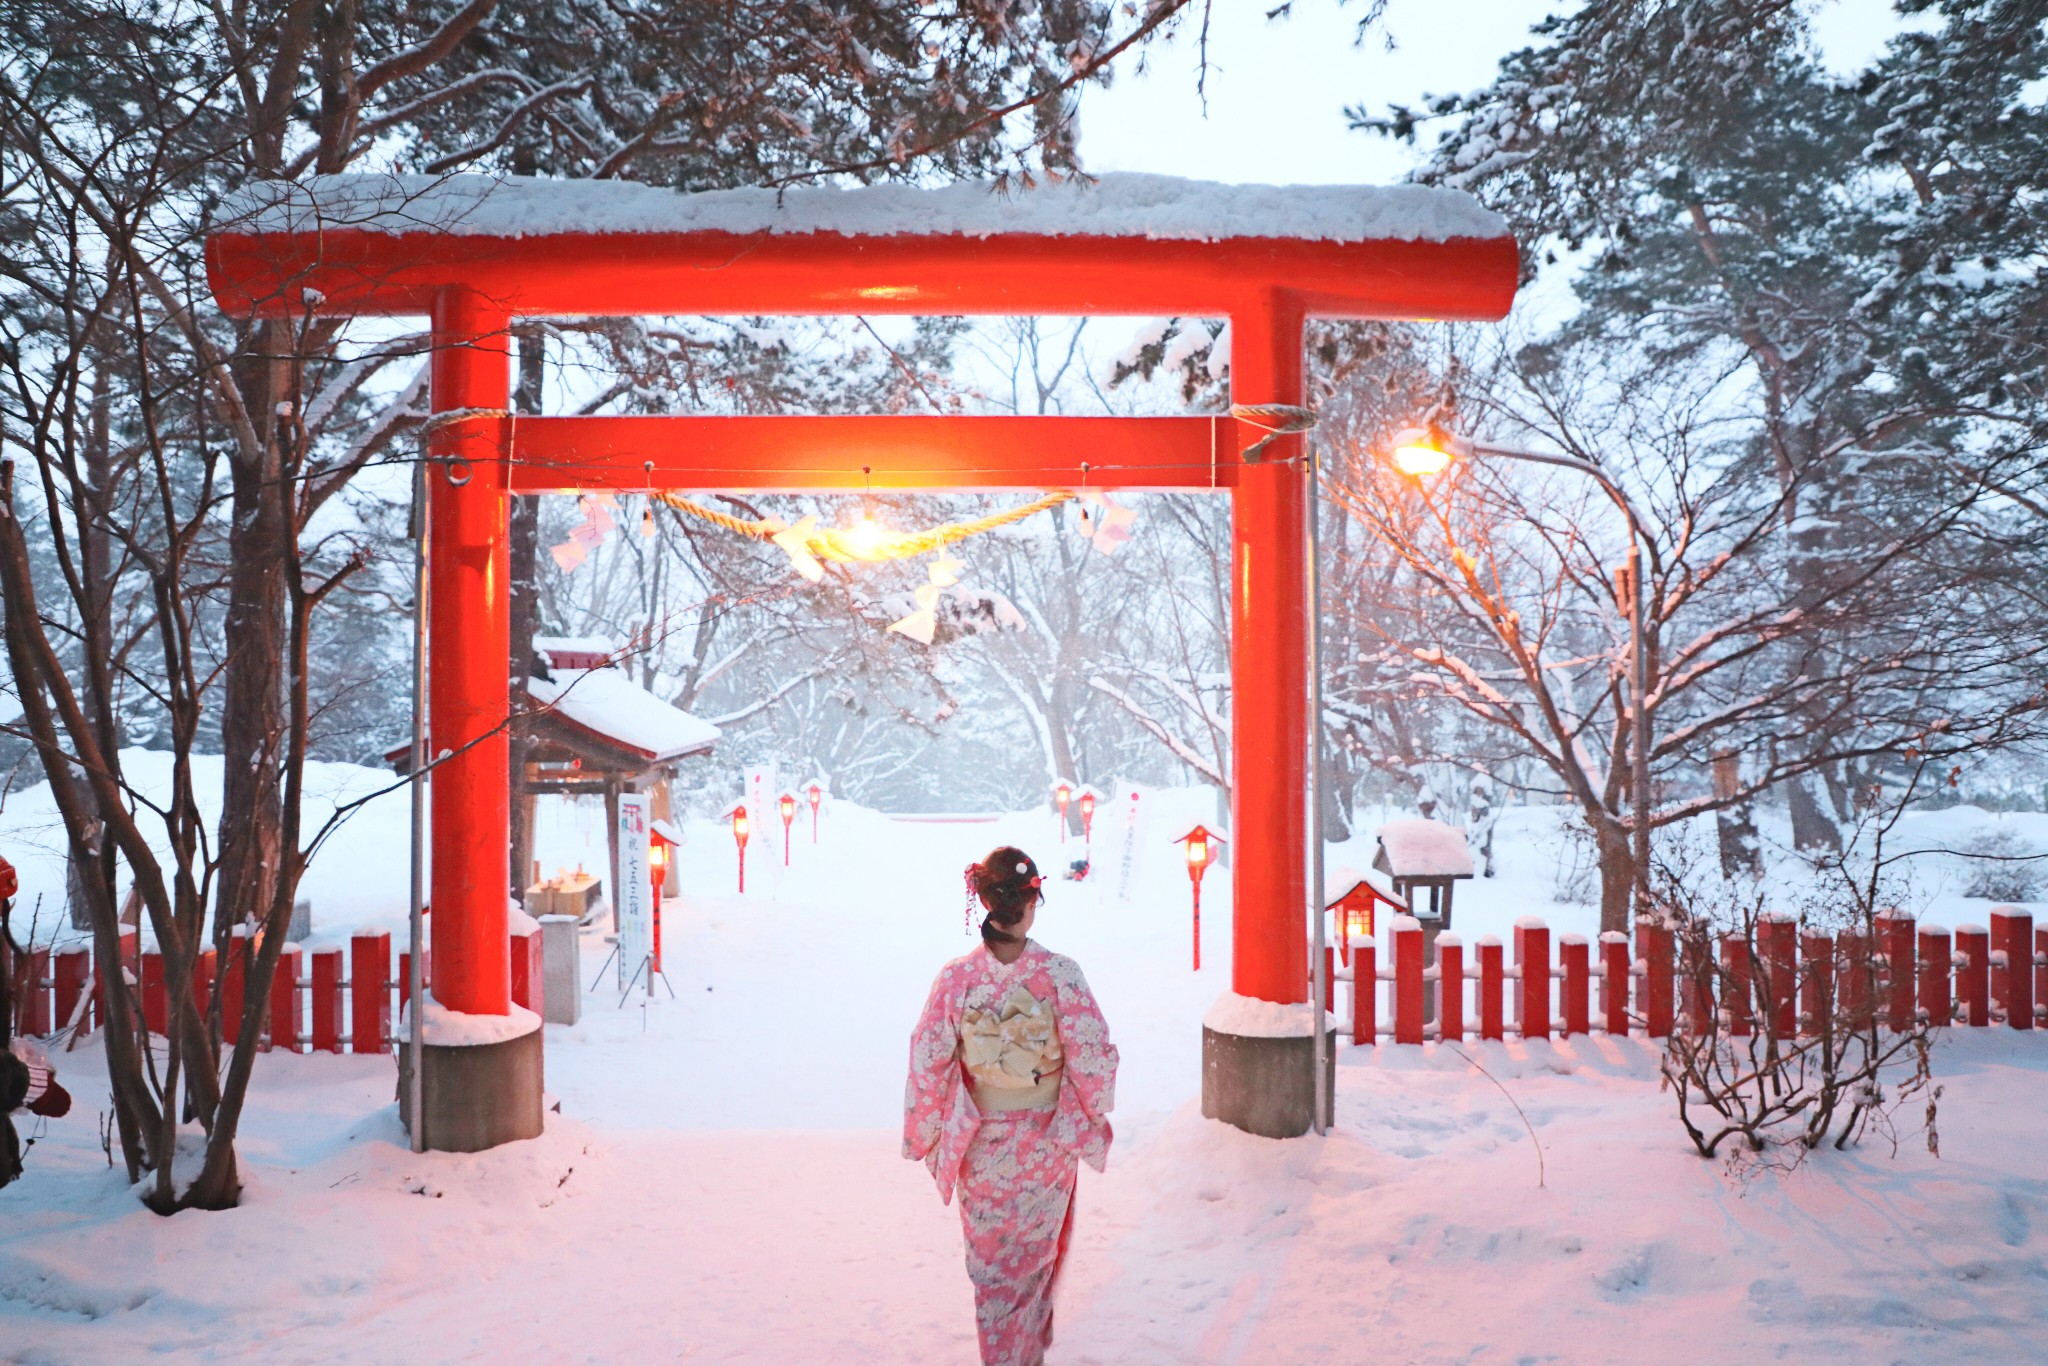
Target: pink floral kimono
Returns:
[1012, 1075]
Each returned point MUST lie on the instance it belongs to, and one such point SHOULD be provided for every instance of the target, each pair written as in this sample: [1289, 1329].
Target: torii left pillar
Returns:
[481, 1083]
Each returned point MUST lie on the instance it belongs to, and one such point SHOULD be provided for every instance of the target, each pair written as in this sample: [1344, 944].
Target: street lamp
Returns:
[1199, 844]
[661, 837]
[1088, 819]
[739, 839]
[817, 794]
[788, 805]
[1419, 451]
[1063, 793]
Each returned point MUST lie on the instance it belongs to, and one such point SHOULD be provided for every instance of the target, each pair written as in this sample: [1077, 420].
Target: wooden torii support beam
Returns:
[473, 254]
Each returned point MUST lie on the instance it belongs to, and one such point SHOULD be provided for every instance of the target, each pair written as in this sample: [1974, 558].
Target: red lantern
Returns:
[817, 795]
[1199, 845]
[739, 839]
[788, 805]
[1088, 818]
[660, 839]
[1063, 793]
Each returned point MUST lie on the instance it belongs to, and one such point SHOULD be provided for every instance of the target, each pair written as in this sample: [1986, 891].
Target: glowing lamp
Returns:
[739, 839]
[1198, 846]
[1088, 817]
[788, 806]
[817, 794]
[1419, 451]
[1063, 793]
[866, 539]
[661, 837]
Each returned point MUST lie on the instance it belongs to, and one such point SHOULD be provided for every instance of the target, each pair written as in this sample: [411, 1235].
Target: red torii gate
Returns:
[475, 255]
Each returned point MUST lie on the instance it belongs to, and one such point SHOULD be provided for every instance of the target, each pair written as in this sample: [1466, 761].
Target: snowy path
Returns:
[723, 1185]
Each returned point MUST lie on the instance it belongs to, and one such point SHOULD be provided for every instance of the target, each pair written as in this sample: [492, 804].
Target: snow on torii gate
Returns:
[474, 254]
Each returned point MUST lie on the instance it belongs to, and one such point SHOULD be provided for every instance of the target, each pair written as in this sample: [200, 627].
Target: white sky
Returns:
[1277, 89]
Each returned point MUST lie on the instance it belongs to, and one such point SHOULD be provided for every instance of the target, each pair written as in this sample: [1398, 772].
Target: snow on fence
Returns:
[322, 1000]
[1782, 983]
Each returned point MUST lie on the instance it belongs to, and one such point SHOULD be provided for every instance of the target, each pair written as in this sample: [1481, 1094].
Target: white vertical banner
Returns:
[635, 892]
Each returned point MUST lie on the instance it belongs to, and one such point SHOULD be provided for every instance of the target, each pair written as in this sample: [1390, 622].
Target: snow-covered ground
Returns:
[722, 1181]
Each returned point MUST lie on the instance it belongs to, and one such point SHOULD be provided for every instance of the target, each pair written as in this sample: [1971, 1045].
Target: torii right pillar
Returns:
[1266, 1085]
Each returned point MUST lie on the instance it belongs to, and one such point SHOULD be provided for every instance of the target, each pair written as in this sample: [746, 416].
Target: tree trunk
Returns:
[1735, 824]
[1812, 828]
[1617, 876]
[252, 697]
[523, 529]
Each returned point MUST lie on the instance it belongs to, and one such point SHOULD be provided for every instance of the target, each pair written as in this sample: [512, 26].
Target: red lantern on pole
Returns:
[1063, 793]
[1199, 845]
[661, 838]
[739, 839]
[1088, 818]
[817, 795]
[788, 805]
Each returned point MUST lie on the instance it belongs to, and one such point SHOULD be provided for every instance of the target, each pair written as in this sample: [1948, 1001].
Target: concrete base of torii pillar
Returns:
[1266, 1086]
[475, 1096]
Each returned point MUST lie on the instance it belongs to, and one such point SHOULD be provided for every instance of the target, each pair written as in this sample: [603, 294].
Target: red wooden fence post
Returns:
[1407, 936]
[1696, 990]
[1614, 982]
[527, 979]
[153, 991]
[1575, 953]
[1532, 977]
[1777, 939]
[2012, 964]
[327, 1000]
[1735, 984]
[1973, 975]
[287, 1017]
[34, 1012]
[369, 991]
[1855, 981]
[1816, 982]
[1329, 976]
[71, 968]
[1365, 990]
[1935, 967]
[1450, 988]
[1491, 978]
[1895, 949]
[402, 983]
[1653, 948]
[2040, 970]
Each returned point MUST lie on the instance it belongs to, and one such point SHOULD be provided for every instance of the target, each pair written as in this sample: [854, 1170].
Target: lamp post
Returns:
[817, 794]
[1199, 844]
[661, 838]
[1063, 793]
[1420, 451]
[1088, 820]
[788, 805]
[739, 839]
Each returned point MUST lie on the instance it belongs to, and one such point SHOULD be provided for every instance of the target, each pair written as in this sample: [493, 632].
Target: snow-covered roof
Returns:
[599, 645]
[1345, 881]
[1417, 847]
[1154, 207]
[614, 706]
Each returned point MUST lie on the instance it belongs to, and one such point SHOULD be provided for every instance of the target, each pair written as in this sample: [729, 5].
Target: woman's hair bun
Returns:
[1006, 882]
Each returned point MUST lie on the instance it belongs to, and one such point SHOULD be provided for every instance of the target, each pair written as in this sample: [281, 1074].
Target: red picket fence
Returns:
[1976, 976]
[326, 1000]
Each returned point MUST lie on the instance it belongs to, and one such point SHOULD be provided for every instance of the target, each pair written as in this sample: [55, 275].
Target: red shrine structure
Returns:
[474, 255]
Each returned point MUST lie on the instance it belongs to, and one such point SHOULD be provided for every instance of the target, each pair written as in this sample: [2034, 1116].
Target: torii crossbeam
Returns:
[475, 254]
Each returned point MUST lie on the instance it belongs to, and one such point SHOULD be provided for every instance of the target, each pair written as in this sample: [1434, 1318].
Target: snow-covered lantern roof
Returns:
[574, 652]
[1420, 853]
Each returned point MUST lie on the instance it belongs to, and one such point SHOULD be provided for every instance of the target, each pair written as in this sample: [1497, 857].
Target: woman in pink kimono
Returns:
[1012, 1076]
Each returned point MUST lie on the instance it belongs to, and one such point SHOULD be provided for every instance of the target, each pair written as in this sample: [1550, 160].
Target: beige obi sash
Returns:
[1012, 1054]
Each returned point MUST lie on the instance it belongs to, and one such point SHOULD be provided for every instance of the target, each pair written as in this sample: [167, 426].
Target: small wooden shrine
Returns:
[1418, 853]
